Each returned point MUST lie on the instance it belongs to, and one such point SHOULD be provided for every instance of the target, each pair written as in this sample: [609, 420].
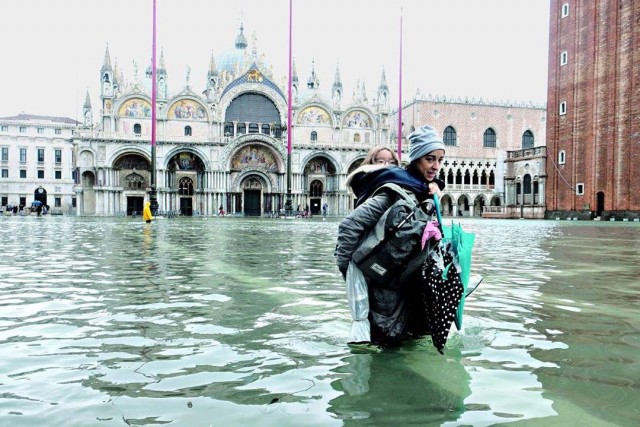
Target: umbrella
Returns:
[36, 203]
[461, 246]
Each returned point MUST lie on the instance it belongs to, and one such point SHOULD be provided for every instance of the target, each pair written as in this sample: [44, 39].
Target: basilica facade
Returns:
[225, 145]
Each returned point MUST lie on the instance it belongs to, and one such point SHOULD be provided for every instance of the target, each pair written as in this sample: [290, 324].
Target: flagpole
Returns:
[288, 207]
[400, 94]
[153, 195]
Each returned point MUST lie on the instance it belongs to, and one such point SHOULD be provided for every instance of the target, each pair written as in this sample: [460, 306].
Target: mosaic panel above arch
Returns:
[135, 107]
[187, 109]
[319, 166]
[256, 157]
[357, 119]
[314, 116]
[185, 161]
[132, 161]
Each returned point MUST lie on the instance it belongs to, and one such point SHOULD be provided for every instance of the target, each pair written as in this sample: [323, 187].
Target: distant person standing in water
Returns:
[146, 213]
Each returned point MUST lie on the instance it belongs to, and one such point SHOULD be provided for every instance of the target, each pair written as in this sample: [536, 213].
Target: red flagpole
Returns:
[288, 206]
[400, 95]
[153, 196]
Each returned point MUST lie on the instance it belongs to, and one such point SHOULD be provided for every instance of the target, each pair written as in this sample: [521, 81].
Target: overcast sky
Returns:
[53, 50]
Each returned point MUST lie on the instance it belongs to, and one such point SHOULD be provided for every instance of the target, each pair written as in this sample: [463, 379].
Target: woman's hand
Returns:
[434, 189]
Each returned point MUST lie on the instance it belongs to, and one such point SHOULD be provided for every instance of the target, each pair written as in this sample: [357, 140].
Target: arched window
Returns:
[314, 136]
[137, 129]
[187, 131]
[459, 177]
[467, 177]
[450, 177]
[450, 137]
[526, 184]
[266, 129]
[315, 189]
[527, 139]
[253, 128]
[185, 187]
[441, 175]
[489, 138]
[474, 179]
[242, 128]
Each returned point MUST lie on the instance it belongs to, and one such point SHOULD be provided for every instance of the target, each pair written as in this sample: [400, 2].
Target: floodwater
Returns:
[242, 322]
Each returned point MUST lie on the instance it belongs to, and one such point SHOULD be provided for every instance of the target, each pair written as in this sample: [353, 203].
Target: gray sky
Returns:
[495, 49]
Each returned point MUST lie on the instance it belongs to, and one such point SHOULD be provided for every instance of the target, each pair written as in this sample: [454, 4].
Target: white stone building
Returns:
[37, 162]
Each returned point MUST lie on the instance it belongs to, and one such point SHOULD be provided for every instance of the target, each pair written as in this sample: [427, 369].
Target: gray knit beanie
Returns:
[422, 141]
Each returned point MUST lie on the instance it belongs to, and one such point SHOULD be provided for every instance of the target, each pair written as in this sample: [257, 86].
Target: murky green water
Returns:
[225, 322]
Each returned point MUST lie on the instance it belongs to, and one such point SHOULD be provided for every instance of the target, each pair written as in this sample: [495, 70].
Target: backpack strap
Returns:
[398, 190]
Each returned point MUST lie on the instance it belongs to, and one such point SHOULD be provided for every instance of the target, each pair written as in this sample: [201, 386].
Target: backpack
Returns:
[392, 251]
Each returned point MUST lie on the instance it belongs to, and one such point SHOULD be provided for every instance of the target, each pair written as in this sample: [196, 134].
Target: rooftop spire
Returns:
[87, 101]
[314, 81]
[106, 64]
[383, 82]
[241, 40]
[213, 70]
[337, 82]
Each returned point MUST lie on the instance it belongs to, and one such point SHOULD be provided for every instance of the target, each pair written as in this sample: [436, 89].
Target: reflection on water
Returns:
[220, 321]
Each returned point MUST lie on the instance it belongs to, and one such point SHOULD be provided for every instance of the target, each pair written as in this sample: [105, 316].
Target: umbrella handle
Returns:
[436, 202]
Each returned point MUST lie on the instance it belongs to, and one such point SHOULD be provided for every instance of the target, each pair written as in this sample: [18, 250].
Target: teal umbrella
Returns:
[461, 246]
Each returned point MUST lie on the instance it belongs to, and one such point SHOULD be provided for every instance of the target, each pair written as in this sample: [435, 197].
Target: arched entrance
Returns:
[478, 205]
[252, 193]
[599, 203]
[40, 195]
[463, 205]
[134, 172]
[185, 193]
[446, 205]
[315, 196]
[319, 174]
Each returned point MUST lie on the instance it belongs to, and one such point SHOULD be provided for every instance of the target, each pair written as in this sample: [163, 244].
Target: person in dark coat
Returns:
[391, 314]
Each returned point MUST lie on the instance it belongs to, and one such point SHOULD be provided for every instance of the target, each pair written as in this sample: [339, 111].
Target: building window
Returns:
[5, 154]
[58, 174]
[40, 174]
[565, 10]
[228, 129]
[564, 57]
[23, 173]
[40, 130]
[40, 155]
[73, 202]
[187, 131]
[58, 131]
[527, 139]
[266, 129]
[253, 128]
[489, 138]
[242, 128]
[23, 129]
[5, 128]
[579, 189]
[314, 136]
[5, 201]
[5, 173]
[526, 184]
[23, 154]
[137, 129]
[57, 202]
[562, 157]
[58, 156]
[562, 110]
[450, 137]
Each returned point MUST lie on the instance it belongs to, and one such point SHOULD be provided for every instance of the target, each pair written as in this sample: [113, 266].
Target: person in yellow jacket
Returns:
[146, 212]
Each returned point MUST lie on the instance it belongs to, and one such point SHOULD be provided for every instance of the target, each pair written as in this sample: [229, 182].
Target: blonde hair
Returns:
[370, 159]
